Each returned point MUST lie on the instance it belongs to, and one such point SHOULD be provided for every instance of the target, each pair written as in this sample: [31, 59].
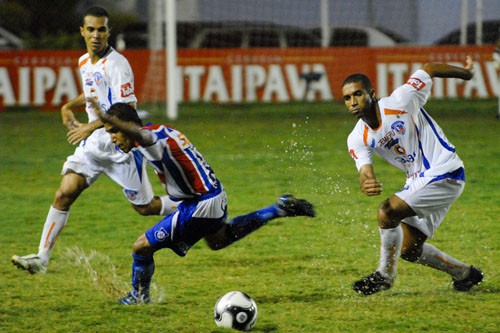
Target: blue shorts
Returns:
[193, 220]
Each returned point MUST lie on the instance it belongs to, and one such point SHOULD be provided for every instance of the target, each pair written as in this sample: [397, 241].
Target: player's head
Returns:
[126, 113]
[95, 30]
[359, 95]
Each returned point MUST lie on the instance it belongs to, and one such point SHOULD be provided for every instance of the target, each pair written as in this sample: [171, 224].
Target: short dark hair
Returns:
[96, 11]
[125, 112]
[358, 77]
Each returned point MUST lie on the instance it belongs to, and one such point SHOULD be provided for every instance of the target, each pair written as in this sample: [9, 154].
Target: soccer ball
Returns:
[235, 310]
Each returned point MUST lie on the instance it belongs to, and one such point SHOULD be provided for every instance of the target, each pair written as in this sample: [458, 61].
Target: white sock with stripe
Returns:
[55, 222]
[435, 258]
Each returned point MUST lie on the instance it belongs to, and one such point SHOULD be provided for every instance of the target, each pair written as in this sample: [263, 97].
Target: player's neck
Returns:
[96, 56]
[373, 119]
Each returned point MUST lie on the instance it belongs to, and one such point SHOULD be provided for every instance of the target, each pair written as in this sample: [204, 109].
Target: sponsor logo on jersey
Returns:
[399, 127]
[131, 194]
[97, 78]
[88, 79]
[416, 83]
[126, 89]
[161, 234]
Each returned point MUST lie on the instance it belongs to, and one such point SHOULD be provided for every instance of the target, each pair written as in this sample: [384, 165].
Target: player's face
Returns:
[119, 139]
[357, 99]
[95, 32]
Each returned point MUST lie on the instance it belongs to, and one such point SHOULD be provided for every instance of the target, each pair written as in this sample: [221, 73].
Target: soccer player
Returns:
[107, 78]
[398, 129]
[186, 176]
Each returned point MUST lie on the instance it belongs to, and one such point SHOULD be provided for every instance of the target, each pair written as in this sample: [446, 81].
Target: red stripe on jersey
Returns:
[187, 165]
[391, 112]
[365, 136]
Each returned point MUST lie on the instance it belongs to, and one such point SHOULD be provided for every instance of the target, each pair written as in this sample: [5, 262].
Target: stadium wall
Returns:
[47, 79]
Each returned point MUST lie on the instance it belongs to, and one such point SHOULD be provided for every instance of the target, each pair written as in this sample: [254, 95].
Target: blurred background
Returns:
[53, 24]
[245, 51]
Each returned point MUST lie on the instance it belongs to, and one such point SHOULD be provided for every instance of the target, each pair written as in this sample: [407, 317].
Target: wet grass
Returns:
[298, 270]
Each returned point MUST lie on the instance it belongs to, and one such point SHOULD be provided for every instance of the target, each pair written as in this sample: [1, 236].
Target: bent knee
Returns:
[386, 215]
[142, 246]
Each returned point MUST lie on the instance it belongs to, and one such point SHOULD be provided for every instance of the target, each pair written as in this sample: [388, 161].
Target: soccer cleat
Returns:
[295, 207]
[133, 299]
[372, 284]
[474, 278]
[31, 263]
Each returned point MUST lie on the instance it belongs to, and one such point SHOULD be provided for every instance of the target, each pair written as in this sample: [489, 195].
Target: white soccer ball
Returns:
[235, 310]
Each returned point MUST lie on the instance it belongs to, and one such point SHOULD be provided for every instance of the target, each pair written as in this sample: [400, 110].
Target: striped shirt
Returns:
[181, 168]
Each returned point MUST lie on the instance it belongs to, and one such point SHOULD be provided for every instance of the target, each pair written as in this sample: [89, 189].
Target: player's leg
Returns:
[171, 232]
[241, 226]
[390, 214]
[71, 186]
[432, 203]
[143, 267]
[415, 249]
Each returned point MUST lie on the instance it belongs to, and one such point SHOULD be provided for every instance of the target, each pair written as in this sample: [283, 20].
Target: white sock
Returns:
[168, 206]
[435, 258]
[55, 222]
[390, 250]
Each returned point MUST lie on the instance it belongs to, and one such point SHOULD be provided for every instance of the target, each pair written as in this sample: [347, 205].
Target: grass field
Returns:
[298, 270]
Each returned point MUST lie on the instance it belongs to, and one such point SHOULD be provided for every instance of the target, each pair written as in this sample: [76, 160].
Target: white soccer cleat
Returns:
[31, 263]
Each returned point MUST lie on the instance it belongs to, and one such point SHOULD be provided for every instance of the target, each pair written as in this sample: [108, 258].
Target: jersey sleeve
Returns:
[359, 151]
[415, 92]
[122, 82]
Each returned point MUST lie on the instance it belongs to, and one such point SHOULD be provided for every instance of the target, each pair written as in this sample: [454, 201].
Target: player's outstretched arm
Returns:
[450, 71]
[143, 137]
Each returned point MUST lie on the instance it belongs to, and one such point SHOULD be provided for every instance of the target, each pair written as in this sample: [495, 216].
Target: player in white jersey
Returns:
[107, 78]
[186, 176]
[399, 129]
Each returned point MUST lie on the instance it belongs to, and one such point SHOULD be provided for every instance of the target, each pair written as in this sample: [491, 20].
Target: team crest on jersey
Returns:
[399, 127]
[131, 194]
[97, 78]
[161, 234]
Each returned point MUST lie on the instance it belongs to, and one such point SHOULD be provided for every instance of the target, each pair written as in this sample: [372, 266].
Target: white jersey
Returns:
[109, 80]
[407, 137]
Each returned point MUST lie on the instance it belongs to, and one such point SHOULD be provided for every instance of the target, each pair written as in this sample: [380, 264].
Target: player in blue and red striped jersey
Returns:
[188, 178]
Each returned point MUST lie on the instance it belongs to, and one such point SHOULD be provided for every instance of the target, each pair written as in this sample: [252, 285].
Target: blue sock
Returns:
[143, 269]
[243, 225]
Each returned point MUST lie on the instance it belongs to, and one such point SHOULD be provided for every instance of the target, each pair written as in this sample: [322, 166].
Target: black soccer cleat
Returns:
[372, 284]
[475, 277]
[295, 207]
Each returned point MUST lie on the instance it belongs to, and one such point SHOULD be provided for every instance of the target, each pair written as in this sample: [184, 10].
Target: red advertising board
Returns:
[47, 79]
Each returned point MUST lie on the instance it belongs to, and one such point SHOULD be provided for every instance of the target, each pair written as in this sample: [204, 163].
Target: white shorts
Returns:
[130, 173]
[431, 200]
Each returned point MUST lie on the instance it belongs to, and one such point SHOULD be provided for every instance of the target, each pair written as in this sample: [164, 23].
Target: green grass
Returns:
[298, 270]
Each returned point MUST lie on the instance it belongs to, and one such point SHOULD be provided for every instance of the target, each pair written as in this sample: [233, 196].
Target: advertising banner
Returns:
[47, 79]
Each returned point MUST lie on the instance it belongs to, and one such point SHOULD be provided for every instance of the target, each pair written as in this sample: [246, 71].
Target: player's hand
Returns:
[469, 65]
[371, 187]
[79, 133]
[96, 108]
